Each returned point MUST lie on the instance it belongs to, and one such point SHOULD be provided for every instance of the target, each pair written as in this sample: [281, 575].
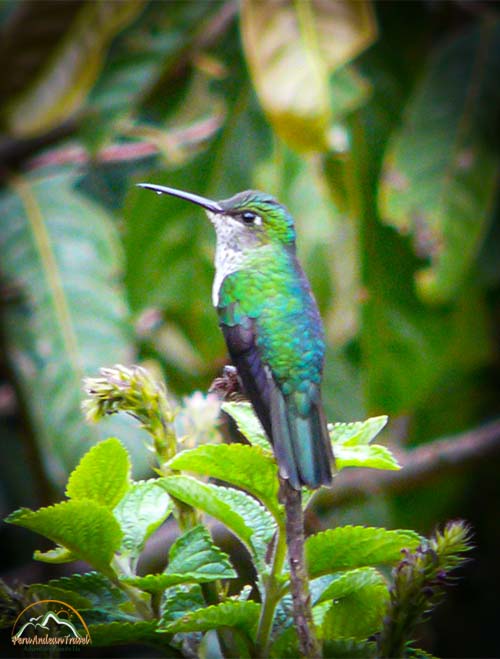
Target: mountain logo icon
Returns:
[50, 623]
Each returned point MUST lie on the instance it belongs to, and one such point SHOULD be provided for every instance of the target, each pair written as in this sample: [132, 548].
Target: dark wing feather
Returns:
[240, 341]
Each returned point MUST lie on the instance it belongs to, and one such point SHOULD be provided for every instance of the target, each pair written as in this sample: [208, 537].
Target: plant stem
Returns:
[141, 606]
[299, 583]
[273, 592]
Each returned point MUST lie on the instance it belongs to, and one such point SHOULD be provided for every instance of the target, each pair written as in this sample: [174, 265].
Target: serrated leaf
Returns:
[357, 433]
[192, 558]
[102, 475]
[55, 247]
[242, 515]
[248, 423]
[373, 456]
[42, 591]
[93, 586]
[123, 633]
[140, 512]
[247, 467]
[256, 517]
[352, 448]
[358, 614]
[179, 601]
[86, 528]
[348, 582]
[67, 63]
[444, 197]
[231, 613]
[350, 547]
[291, 47]
[196, 552]
[92, 594]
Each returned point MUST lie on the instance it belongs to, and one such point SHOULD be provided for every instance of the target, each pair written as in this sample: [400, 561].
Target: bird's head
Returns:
[249, 219]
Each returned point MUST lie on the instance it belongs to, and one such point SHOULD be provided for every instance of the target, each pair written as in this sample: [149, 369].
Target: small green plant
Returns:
[107, 518]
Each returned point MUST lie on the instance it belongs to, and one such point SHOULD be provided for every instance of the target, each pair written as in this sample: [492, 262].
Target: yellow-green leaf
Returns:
[248, 467]
[84, 527]
[103, 474]
[350, 547]
[291, 49]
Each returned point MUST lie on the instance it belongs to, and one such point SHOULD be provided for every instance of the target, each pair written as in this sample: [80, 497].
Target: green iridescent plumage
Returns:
[272, 328]
[269, 290]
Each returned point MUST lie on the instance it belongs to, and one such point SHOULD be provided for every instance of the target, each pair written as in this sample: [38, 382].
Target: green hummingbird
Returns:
[272, 327]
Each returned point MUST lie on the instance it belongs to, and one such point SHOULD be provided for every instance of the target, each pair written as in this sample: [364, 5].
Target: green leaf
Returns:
[195, 552]
[181, 600]
[248, 467]
[348, 90]
[357, 433]
[294, 47]
[444, 197]
[123, 633]
[192, 557]
[67, 63]
[248, 423]
[350, 547]
[231, 613]
[374, 456]
[102, 475]
[40, 591]
[351, 581]
[349, 649]
[61, 254]
[140, 512]
[352, 448]
[55, 556]
[357, 614]
[86, 528]
[91, 585]
[255, 516]
[103, 599]
[242, 515]
[127, 76]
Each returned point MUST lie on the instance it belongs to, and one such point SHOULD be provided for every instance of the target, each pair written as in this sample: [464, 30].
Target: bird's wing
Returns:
[295, 422]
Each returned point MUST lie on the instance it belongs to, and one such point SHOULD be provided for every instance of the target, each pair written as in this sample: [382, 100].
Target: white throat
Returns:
[229, 255]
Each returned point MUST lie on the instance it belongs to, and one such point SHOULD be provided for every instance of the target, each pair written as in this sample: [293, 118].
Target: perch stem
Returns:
[299, 583]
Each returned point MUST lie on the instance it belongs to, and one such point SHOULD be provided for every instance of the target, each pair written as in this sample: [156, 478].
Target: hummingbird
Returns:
[272, 327]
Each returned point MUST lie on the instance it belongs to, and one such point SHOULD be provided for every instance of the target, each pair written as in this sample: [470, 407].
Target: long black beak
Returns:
[208, 204]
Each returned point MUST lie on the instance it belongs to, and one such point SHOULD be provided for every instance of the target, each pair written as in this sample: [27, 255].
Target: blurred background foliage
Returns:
[376, 123]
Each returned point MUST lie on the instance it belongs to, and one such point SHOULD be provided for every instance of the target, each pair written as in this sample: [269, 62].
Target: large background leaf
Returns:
[292, 48]
[68, 316]
[445, 197]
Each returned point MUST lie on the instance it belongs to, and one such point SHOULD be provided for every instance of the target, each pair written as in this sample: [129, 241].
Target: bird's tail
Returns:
[301, 441]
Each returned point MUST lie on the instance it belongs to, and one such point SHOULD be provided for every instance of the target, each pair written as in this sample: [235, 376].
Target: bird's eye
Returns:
[248, 217]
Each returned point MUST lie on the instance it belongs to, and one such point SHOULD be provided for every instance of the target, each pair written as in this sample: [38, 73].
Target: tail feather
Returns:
[282, 440]
[301, 443]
